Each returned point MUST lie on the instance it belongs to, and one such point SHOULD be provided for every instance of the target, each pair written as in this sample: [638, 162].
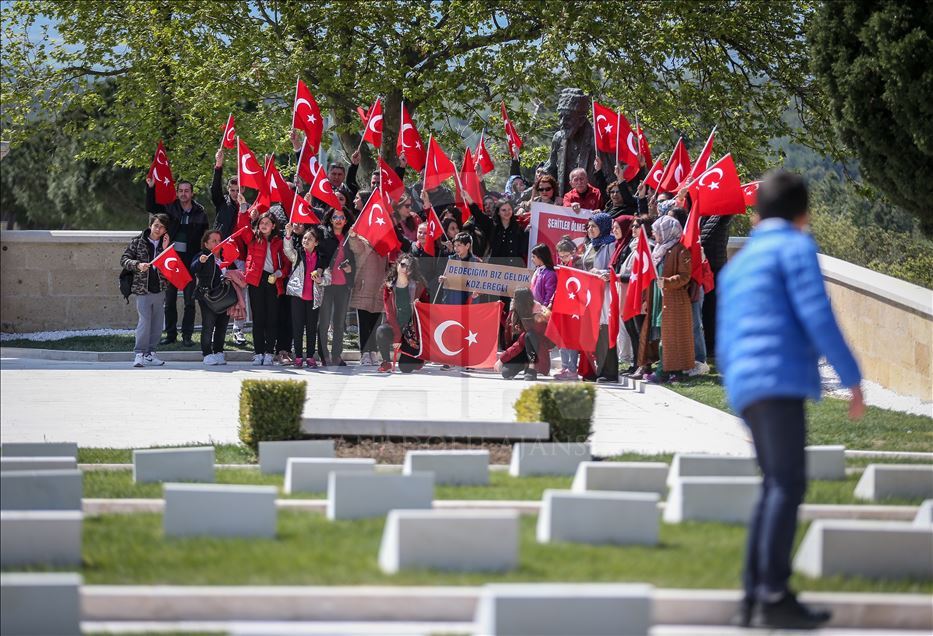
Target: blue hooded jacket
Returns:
[774, 320]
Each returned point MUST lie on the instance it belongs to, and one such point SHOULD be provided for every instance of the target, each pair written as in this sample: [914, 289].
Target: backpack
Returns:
[126, 284]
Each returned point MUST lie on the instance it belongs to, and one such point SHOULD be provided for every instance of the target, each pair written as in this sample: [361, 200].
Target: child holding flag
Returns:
[149, 287]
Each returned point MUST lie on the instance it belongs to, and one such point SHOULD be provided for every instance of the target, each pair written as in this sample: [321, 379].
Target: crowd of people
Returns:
[297, 282]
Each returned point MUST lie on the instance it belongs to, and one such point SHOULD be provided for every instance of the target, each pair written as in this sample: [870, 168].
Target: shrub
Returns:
[567, 408]
[270, 410]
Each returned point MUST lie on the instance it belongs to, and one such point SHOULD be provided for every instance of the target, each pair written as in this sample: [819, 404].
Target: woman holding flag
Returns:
[149, 286]
[597, 258]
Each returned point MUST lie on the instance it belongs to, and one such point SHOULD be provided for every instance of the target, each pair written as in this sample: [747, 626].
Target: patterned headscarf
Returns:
[604, 222]
[667, 232]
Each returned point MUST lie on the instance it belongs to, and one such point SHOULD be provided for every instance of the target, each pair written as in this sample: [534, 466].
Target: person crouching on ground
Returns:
[404, 285]
[208, 277]
[149, 287]
[527, 349]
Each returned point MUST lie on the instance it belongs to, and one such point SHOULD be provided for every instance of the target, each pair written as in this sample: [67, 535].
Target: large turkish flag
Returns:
[459, 335]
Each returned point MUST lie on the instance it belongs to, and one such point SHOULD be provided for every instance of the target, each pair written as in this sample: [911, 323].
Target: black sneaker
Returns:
[743, 618]
[187, 341]
[531, 375]
[167, 340]
[788, 613]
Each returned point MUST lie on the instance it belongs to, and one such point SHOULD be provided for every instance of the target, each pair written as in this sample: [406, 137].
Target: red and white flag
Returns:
[307, 164]
[375, 225]
[627, 148]
[750, 191]
[323, 192]
[678, 166]
[459, 335]
[654, 175]
[172, 267]
[605, 123]
[279, 189]
[227, 249]
[644, 147]
[409, 142]
[643, 273]
[250, 173]
[438, 166]
[577, 291]
[573, 332]
[718, 191]
[469, 181]
[373, 132]
[161, 174]
[483, 160]
[702, 162]
[691, 240]
[302, 212]
[228, 138]
[433, 232]
[511, 135]
[389, 181]
[306, 116]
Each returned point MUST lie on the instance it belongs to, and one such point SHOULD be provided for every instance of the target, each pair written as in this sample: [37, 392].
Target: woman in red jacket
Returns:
[266, 272]
[404, 285]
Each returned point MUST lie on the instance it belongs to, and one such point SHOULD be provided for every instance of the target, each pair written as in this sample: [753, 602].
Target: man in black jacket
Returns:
[228, 209]
[188, 222]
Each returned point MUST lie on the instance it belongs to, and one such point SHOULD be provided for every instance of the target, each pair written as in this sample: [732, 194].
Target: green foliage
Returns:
[270, 410]
[567, 408]
[872, 61]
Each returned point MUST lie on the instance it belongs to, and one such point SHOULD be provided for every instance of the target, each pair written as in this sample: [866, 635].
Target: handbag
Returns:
[219, 299]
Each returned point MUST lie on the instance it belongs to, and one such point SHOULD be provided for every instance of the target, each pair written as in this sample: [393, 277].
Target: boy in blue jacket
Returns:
[774, 322]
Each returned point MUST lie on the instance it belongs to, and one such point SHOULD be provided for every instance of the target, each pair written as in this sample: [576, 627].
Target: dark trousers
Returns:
[333, 312]
[778, 428]
[213, 330]
[171, 310]
[525, 358]
[607, 358]
[633, 329]
[709, 322]
[367, 322]
[264, 301]
[406, 360]
[304, 324]
[283, 326]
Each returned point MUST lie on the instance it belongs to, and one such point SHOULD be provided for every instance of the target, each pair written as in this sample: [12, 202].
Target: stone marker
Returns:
[703, 465]
[624, 476]
[547, 458]
[826, 462]
[726, 499]
[599, 517]
[450, 540]
[450, 468]
[37, 463]
[360, 495]
[173, 464]
[924, 514]
[881, 481]
[40, 537]
[873, 549]
[273, 456]
[39, 449]
[40, 604]
[41, 490]
[560, 609]
[309, 474]
[219, 510]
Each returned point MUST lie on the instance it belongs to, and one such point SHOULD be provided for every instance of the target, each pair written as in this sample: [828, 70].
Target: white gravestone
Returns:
[39, 449]
[547, 458]
[452, 468]
[219, 510]
[173, 464]
[624, 476]
[41, 490]
[703, 465]
[37, 463]
[40, 604]
[725, 499]
[308, 474]
[599, 517]
[361, 495]
[273, 456]
[882, 481]
[40, 537]
[826, 462]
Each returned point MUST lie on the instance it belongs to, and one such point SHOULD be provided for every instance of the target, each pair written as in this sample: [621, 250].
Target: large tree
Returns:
[180, 66]
[874, 61]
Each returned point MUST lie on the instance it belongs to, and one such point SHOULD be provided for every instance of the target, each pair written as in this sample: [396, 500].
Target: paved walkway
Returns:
[113, 405]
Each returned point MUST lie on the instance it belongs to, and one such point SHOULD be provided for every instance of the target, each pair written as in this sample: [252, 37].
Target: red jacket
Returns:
[388, 301]
[256, 257]
[592, 199]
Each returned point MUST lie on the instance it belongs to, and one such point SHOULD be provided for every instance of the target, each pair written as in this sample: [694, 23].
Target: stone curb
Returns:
[194, 355]
[449, 604]
[380, 468]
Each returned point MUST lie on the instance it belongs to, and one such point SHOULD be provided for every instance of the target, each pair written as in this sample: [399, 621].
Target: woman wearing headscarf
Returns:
[622, 231]
[671, 319]
[633, 325]
[597, 258]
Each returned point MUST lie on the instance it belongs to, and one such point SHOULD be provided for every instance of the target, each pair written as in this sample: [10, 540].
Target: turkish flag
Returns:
[302, 212]
[750, 191]
[389, 181]
[172, 267]
[644, 147]
[228, 139]
[677, 168]
[511, 135]
[483, 160]
[375, 224]
[702, 162]
[373, 132]
[306, 116]
[250, 172]
[574, 332]
[227, 249]
[469, 180]
[643, 273]
[459, 335]
[438, 166]
[280, 191]
[605, 121]
[409, 142]
[613, 308]
[691, 240]
[163, 182]
[577, 292]
[654, 175]
[307, 164]
[718, 190]
[323, 192]
[434, 231]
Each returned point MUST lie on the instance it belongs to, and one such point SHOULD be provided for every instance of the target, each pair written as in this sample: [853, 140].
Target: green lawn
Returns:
[309, 550]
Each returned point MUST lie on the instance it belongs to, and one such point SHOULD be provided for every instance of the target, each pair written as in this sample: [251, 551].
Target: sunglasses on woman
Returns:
[546, 189]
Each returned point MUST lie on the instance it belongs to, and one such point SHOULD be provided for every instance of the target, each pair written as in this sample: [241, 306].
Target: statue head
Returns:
[573, 107]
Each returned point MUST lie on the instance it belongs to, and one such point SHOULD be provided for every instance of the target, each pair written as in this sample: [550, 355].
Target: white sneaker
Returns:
[371, 359]
[152, 360]
[267, 359]
[257, 360]
[221, 358]
[700, 368]
[364, 358]
[139, 360]
[238, 337]
[211, 360]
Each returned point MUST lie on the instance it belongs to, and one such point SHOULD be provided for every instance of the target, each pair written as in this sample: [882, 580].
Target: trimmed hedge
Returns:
[567, 408]
[270, 410]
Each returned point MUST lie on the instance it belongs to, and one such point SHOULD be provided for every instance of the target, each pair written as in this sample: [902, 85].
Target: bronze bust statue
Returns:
[573, 145]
